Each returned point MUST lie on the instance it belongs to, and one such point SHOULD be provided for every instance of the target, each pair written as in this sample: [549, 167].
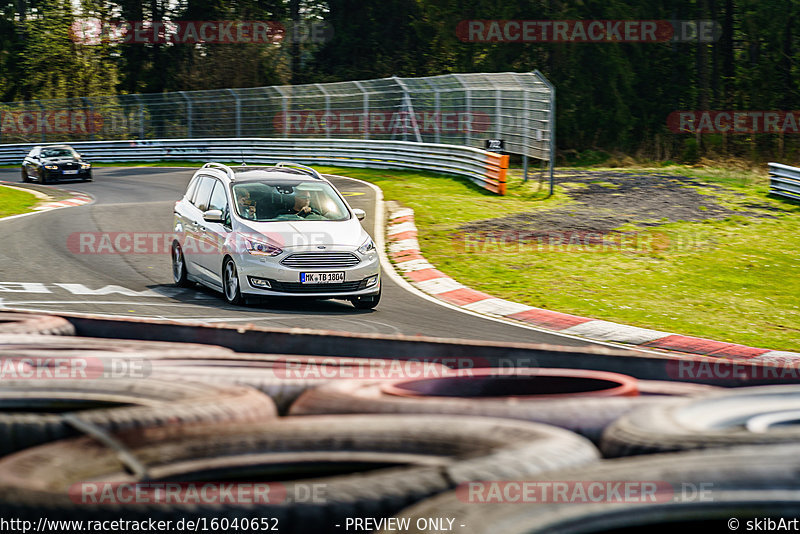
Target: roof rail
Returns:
[306, 170]
[228, 170]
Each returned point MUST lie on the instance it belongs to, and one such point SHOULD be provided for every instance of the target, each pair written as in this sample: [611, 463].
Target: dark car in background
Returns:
[55, 163]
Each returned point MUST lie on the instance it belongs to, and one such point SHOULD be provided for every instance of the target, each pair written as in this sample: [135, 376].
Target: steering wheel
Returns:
[306, 214]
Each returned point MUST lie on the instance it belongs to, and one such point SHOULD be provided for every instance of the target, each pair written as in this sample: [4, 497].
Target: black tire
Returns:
[717, 420]
[36, 345]
[24, 175]
[30, 408]
[230, 283]
[179, 275]
[586, 415]
[368, 466]
[742, 483]
[366, 303]
[24, 323]
[285, 377]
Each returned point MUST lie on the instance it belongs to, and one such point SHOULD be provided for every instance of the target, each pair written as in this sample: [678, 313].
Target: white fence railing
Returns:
[486, 169]
[784, 180]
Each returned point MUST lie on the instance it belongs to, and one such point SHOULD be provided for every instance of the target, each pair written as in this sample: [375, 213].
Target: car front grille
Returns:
[297, 287]
[320, 260]
[69, 166]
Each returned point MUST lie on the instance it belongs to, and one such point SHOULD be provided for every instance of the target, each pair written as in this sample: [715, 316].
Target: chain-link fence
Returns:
[460, 109]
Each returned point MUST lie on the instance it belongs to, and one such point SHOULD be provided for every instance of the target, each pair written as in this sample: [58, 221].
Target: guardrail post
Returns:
[188, 113]
[437, 112]
[365, 105]
[285, 107]
[551, 126]
[498, 117]
[89, 115]
[42, 121]
[238, 106]
[141, 115]
[468, 107]
[327, 108]
[407, 102]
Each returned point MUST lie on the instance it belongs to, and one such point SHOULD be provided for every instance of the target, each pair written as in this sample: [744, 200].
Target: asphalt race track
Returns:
[39, 270]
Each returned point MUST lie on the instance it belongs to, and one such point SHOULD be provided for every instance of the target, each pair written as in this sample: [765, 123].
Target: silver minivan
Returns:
[281, 231]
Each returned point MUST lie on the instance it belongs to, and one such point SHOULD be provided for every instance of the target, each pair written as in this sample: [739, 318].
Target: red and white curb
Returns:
[77, 199]
[403, 250]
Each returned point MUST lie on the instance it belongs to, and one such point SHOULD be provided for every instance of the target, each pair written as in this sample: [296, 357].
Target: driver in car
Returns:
[247, 206]
[301, 207]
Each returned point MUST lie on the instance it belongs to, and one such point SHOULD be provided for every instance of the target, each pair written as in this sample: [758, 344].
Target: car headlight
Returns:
[85, 166]
[259, 248]
[51, 167]
[368, 246]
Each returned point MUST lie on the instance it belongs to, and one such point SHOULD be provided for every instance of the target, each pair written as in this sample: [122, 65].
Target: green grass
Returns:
[735, 280]
[14, 202]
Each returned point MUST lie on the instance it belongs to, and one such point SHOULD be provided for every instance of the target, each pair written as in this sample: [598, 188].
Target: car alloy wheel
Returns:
[179, 267]
[230, 282]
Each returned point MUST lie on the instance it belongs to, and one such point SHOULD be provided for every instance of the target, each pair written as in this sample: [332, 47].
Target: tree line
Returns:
[612, 96]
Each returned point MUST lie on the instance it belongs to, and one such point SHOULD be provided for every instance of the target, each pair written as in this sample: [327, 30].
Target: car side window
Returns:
[203, 193]
[191, 187]
[219, 200]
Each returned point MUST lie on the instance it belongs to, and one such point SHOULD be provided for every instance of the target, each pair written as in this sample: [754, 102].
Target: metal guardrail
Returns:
[454, 109]
[486, 169]
[784, 180]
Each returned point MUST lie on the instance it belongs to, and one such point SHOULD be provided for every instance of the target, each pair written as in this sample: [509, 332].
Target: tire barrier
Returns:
[284, 377]
[578, 400]
[36, 411]
[368, 465]
[35, 345]
[23, 323]
[379, 435]
[757, 415]
[691, 491]
[281, 377]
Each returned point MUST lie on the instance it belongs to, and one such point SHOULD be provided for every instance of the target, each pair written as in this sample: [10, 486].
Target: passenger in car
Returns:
[247, 206]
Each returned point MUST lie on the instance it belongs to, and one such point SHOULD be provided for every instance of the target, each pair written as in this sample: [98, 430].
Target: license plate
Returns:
[70, 172]
[322, 278]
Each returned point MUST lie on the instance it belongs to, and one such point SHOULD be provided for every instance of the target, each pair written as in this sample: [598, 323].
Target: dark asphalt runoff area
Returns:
[42, 267]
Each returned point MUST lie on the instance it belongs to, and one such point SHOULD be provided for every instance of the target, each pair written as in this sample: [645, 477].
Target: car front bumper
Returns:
[285, 281]
[53, 175]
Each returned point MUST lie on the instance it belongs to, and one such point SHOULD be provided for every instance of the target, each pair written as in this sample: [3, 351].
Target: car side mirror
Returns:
[360, 214]
[213, 216]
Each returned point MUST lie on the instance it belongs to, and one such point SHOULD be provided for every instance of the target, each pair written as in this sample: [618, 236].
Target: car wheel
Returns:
[366, 303]
[42, 178]
[24, 175]
[179, 267]
[230, 283]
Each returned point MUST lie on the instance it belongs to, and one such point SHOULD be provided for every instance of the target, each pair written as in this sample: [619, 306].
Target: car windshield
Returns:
[58, 153]
[269, 201]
